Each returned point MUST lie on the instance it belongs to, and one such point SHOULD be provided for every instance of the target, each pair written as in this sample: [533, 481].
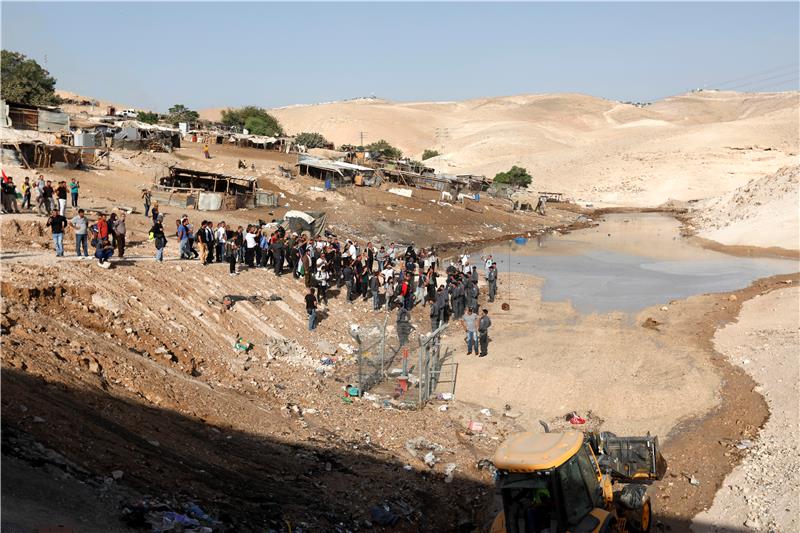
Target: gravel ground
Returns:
[763, 492]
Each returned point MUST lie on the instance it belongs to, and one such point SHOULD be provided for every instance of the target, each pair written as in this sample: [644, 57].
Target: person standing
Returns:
[80, 224]
[120, 231]
[348, 274]
[154, 212]
[483, 333]
[491, 278]
[159, 238]
[250, 247]
[403, 325]
[10, 196]
[470, 323]
[61, 193]
[321, 278]
[102, 226]
[146, 196]
[182, 233]
[47, 196]
[57, 223]
[311, 309]
[277, 249]
[375, 289]
[222, 238]
[209, 239]
[201, 236]
[206, 154]
[232, 247]
[74, 187]
[26, 194]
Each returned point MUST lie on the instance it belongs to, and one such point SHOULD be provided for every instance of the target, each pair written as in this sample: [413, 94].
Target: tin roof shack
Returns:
[406, 172]
[134, 135]
[209, 191]
[31, 117]
[336, 173]
[37, 154]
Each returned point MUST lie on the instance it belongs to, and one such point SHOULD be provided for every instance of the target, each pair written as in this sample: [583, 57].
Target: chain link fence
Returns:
[389, 368]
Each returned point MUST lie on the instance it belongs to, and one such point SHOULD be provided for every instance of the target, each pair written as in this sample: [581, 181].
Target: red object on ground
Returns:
[575, 420]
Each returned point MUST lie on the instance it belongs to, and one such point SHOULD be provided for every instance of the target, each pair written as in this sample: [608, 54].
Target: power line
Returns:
[761, 81]
[772, 85]
[755, 75]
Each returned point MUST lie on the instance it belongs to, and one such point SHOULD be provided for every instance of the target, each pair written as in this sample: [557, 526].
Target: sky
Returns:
[154, 55]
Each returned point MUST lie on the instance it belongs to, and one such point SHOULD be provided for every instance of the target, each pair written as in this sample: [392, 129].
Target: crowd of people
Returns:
[42, 192]
[391, 278]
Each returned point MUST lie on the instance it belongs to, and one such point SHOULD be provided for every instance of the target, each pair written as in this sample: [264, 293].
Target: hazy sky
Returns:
[153, 55]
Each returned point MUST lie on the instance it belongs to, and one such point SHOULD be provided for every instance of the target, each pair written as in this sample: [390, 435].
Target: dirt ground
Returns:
[761, 493]
[132, 370]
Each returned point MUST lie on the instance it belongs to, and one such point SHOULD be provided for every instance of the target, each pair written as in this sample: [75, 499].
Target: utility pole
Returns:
[362, 133]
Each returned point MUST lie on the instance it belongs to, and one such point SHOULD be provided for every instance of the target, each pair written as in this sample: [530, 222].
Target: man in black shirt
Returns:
[311, 309]
[57, 223]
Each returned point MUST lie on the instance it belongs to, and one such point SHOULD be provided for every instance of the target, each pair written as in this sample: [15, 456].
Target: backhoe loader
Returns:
[576, 483]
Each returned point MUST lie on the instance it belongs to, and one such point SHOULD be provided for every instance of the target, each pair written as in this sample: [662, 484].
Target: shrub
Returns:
[516, 176]
[265, 124]
[385, 149]
[311, 140]
[427, 154]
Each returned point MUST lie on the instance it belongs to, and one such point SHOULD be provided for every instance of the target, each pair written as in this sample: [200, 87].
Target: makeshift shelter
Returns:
[31, 117]
[336, 173]
[209, 191]
[309, 222]
[134, 135]
[37, 154]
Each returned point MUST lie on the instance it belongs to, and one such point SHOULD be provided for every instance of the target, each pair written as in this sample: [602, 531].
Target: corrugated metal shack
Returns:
[133, 135]
[209, 191]
[336, 173]
[37, 118]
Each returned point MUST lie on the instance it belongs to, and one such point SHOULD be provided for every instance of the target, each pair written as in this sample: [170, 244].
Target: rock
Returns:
[94, 367]
[512, 414]
[732, 298]
[38, 420]
[694, 481]
[154, 443]
[664, 308]
[327, 348]
[117, 474]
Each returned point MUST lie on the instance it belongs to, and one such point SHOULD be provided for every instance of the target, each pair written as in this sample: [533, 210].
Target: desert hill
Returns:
[764, 211]
[684, 147]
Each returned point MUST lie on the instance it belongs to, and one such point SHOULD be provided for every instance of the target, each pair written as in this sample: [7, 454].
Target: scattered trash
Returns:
[242, 345]
[449, 472]
[408, 468]
[117, 474]
[486, 412]
[351, 391]
[429, 459]
[574, 419]
[745, 444]
[694, 481]
[418, 444]
[327, 361]
[446, 396]
[443, 408]
[475, 427]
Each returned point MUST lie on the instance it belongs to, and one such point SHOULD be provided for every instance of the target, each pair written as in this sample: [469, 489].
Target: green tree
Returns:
[26, 82]
[427, 154]
[147, 117]
[181, 113]
[385, 149]
[266, 123]
[516, 176]
[311, 140]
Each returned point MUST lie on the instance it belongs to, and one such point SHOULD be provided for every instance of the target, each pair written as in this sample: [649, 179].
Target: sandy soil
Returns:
[762, 493]
[600, 151]
[765, 212]
[547, 360]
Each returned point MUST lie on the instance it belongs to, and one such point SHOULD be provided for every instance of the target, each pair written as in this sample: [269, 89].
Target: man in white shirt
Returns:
[250, 246]
[222, 237]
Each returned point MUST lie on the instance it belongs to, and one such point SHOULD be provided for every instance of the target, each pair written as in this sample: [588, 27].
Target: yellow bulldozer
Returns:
[573, 482]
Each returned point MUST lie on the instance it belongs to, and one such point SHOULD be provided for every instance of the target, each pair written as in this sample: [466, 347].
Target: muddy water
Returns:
[629, 262]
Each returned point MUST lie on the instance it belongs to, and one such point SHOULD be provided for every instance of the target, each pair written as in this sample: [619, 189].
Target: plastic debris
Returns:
[449, 472]
[383, 516]
[486, 412]
[474, 426]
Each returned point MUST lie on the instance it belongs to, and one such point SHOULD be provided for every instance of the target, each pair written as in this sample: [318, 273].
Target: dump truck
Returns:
[574, 482]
